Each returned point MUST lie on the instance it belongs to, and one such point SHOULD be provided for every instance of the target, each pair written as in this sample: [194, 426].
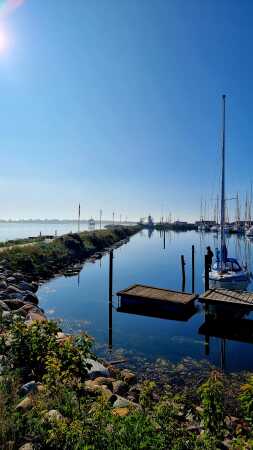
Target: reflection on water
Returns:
[84, 304]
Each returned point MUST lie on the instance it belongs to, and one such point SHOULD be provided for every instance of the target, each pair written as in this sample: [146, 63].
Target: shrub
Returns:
[212, 398]
[246, 399]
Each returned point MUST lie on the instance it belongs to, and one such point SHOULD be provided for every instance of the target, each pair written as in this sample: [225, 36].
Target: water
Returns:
[18, 230]
[82, 303]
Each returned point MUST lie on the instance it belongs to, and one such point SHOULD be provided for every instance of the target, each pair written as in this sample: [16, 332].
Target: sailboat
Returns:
[226, 271]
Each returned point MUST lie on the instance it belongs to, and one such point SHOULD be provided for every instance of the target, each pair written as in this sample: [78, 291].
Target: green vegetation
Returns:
[43, 259]
[65, 413]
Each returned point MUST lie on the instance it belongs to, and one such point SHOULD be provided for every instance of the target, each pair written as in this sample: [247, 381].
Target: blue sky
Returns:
[117, 104]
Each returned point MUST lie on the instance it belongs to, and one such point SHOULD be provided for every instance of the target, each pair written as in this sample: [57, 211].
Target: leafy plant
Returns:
[212, 399]
[246, 399]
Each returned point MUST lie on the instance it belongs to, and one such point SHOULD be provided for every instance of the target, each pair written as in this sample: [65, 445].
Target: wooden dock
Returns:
[228, 297]
[139, 294]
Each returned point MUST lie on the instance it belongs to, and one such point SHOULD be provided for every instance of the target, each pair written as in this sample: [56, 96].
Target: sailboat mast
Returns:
[223, 244]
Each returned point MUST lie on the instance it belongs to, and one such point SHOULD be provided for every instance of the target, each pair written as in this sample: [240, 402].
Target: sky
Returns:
[116, 104]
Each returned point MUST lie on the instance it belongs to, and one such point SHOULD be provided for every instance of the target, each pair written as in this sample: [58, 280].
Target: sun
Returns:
[3, 41]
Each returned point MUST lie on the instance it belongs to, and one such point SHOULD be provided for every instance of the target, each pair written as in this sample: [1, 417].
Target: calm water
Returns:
[24, 230]
[82, 303]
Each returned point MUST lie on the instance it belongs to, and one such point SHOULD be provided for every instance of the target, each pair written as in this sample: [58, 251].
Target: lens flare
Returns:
[8, 6]
[3, 41]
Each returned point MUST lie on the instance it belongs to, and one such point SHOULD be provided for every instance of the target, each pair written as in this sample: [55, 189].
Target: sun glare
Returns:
[3, 41]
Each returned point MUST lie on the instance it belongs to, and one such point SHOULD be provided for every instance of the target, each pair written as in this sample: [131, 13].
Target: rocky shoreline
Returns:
[172, 402]
[18, 288]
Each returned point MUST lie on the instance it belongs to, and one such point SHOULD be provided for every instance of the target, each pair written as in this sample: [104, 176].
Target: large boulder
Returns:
[96, 369]
[120, 387]
[53, 415]
[18, 275]
[128, 376]
[27, 446]
[35, 316]
[3, 284]
[31, 298]
[4, 306]
[122, 402]
[11, 289]
[28, 388]
[11, 280]
[14, 303]
[24, 286]
[14, 295]
[25, 404]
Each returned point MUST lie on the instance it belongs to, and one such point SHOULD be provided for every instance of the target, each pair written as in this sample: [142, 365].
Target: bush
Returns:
[212, 398]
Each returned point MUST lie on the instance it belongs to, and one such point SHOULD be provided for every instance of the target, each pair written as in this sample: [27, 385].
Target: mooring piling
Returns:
[110, 296]
[206, 273]
[183, 272]
[193, 268]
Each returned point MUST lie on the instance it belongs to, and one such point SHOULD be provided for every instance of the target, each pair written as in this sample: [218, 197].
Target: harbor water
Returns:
[80, 303]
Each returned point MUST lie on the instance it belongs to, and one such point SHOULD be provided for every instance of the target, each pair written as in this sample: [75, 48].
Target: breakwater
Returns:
[24, 267]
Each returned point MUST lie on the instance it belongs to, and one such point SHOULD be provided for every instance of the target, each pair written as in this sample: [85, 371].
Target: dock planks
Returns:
[227, 296]
[154, 294]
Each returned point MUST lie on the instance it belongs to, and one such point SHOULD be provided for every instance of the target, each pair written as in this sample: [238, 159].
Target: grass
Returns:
[43, 259]
[87, 421]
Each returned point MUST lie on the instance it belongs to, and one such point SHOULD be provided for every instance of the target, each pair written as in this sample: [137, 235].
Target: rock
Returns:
[13, 289]
[28, 388]
[107, 395]
[35, 286]
[3, 284]
[92, 387]
[120, 387]
[31, 298]
[25, 404]
[128, 376]
[113, 371]
[227, 444]
[53, 415]
[24, 286]
[11, 280]
[61, 337]
[96, 369]
[194, 428]
[104, 381]
[4, 306]
[134, 393]
[14, 295]
[6, 314]
[40, 387]
[122, 402]
[14, 303]
[37, 316]
[199, 410]
[18, 276]
[121, 412]
[27, 446]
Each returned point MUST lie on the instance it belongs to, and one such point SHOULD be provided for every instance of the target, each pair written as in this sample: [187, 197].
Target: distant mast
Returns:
[79, 215]
[223, 243]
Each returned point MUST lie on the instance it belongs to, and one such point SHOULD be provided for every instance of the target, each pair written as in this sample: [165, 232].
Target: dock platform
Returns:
[139, 294]
[228, 297]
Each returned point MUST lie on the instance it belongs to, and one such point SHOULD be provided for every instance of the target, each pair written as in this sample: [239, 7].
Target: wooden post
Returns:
[193, 269]
[223, 354]
[206, 273]
[110, 296]
[183, 272]
[164, 242]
